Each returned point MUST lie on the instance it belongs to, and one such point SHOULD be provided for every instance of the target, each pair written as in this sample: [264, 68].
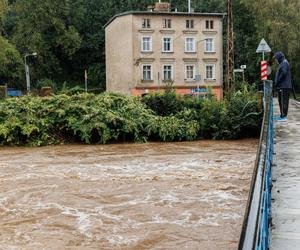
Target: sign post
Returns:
[264, 69]
[263, 47]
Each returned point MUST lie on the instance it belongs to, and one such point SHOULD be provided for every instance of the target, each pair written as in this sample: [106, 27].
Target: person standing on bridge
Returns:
[283, 84]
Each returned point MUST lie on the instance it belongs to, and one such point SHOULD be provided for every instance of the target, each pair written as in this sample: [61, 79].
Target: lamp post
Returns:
[27, 70]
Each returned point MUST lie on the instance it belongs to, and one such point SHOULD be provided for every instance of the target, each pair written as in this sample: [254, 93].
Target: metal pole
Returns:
[230, 48]
[198, 67]
[27, 74]
[85, 80]
[189, 6]
[86, 85]
[158, 79]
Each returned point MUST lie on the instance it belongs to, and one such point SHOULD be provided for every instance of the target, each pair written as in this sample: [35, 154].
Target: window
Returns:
[167, 44]
[146, 43]
[146, 24]
[167, 23]
[209, 24]
[209, 45]
[168, 72]
[210, 71]
[147, 72]
[190, 72]
[189, 24]
[190, 44]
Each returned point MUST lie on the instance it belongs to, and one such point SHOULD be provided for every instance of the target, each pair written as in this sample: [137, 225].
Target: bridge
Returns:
[272, 217]
[285, 233]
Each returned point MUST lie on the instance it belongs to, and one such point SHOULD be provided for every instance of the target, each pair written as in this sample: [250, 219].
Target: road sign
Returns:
[263, 47]
[264, 69]
[199, 90]
[238, 70]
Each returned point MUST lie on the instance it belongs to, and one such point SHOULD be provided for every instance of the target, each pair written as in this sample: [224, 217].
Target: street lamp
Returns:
[241, 70]
[27, 70]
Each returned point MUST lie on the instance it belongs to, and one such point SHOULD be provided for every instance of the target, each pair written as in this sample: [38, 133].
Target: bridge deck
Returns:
[286, 190]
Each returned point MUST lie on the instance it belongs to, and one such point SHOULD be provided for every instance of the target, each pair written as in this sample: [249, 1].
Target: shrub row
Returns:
[109, 117]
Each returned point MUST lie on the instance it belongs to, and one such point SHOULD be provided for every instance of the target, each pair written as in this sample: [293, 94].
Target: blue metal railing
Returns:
[255, 233]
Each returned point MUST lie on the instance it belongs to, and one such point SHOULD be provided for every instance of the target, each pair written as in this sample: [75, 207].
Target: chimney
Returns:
[150, 8]
[162, 7]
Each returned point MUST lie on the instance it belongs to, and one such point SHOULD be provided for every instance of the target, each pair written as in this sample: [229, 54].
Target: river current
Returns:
[189, 195]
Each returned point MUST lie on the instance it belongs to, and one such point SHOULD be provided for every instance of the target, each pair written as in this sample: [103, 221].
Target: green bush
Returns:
[163, 104]
[244, 113]
[45, 83]
[109, 117]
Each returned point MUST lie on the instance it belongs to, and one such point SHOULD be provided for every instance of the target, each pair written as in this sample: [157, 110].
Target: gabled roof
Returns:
[156, 13]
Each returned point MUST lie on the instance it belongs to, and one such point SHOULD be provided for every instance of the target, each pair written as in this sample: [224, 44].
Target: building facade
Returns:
[149, 51]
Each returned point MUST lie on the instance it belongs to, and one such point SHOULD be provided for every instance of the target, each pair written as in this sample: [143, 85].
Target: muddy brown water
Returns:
[189, 195]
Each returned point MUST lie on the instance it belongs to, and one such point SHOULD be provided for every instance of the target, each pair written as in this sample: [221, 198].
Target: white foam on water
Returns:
[231, 216]
[99, 210]
[219, 195]
[3, 202]
[210, 219]
[117, 240]
[169, 197]
[83, 221]
[157, 219]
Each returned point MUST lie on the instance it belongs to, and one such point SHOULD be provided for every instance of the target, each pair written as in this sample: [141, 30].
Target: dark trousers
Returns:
[283, 99]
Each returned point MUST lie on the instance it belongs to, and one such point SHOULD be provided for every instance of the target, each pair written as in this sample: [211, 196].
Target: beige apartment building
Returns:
[149, 50]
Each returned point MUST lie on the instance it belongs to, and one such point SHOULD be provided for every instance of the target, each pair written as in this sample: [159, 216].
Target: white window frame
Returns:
[163, 72]
[193, 44]
[190, 23]
[207, 40]
[213, 71]
[210, 25]
[163, 44]
[194, 72]
[151, 72]
[167, 23]
[142, 44]
[147, 23]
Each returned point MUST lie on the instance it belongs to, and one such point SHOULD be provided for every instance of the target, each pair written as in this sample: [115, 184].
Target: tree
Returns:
[69, 35]
[10, 62]
[2, 11]
[278, 22]
[46, 27]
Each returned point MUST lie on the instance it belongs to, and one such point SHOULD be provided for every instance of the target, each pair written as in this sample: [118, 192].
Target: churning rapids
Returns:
[189, 195]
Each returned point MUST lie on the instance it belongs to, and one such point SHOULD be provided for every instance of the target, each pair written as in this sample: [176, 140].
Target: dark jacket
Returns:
[283, 79]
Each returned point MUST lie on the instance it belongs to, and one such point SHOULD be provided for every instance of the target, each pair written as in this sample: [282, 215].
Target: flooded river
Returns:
[189, 195]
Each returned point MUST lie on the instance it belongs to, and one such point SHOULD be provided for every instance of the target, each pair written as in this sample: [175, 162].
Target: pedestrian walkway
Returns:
[285, 233]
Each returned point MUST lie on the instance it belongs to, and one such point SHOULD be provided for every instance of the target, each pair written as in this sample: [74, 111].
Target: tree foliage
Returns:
[10, 62]
[69, 35]
[278, 22]
[46, 27]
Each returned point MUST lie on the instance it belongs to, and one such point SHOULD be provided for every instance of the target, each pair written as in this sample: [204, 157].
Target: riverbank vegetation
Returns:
[109, 117]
